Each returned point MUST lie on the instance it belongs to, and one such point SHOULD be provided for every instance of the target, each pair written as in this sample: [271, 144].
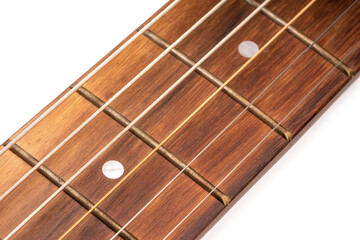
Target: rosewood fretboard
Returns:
[228, 142]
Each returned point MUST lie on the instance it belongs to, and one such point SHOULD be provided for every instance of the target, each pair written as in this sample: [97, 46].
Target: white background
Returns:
[311, 193]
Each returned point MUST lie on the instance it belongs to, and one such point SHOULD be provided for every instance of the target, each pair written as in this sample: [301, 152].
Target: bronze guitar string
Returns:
[267, 135]
[243, 111]
[191, 115]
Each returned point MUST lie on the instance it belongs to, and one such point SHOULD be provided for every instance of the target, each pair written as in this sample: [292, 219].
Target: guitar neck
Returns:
[193, 105]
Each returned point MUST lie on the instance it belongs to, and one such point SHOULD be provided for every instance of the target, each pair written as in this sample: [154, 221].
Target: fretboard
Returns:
[194, 105]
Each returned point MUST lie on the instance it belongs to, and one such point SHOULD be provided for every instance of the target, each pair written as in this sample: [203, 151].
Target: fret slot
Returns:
[218, 82]
[163, 151]
[304, 39]
[72, 192]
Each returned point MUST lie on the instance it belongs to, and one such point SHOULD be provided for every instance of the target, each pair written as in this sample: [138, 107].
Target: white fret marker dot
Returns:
[113, 169]
[248, 49]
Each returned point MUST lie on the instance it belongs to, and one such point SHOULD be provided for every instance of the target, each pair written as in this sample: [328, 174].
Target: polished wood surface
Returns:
[217, 161]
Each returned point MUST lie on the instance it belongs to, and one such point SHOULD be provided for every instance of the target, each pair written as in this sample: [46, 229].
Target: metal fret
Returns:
[72, 192]
[218, 82]
[306, 40]
[150, 141]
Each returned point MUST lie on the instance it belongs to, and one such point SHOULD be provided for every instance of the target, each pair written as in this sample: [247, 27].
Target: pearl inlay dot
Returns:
[248, 49]
[113, 169]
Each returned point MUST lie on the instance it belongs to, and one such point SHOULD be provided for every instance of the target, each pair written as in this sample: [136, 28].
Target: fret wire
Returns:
[155, 102]
[216, 7]
[217, 136]
[96, 113]
[86, 78]
[269, 133]
[24, 177]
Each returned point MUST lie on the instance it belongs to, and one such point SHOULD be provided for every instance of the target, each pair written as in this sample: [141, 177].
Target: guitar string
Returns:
[210, 13]
[272, 130]
[188, 118]
[86, 78]
[96, 113]
[236, 118]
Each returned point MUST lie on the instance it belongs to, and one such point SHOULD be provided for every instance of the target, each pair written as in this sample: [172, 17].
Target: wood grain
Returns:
[218, 160]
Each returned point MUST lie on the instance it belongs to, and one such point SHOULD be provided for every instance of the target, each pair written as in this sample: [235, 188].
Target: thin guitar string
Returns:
[130, 83]
[191, 115]
[237, 117]
[75, 88]
[181, 79]
[86, 78]
[272, 130]
[210, 13]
